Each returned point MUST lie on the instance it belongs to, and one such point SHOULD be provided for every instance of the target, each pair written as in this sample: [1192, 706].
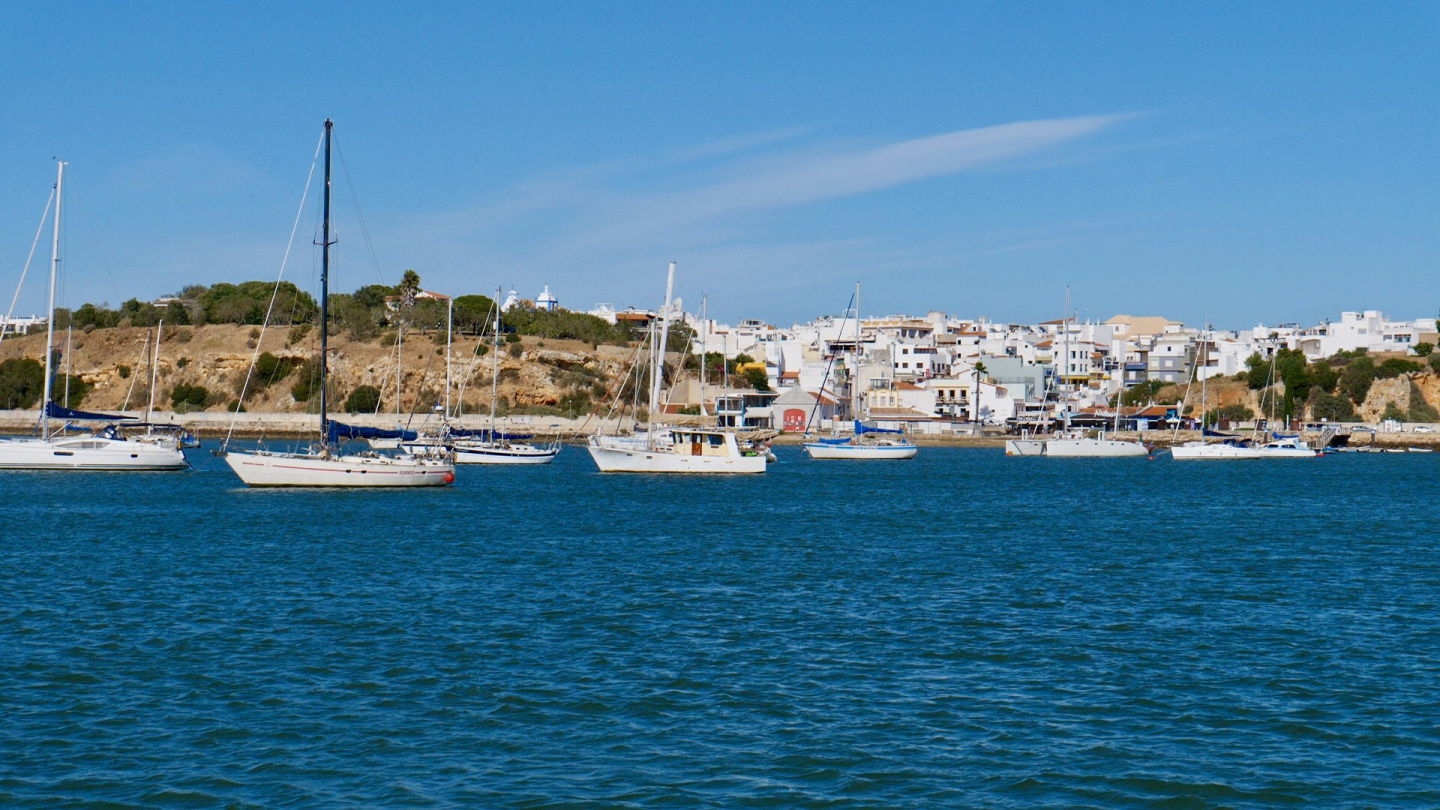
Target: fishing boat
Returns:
[323, 464]
[666, 449]
[106, 448]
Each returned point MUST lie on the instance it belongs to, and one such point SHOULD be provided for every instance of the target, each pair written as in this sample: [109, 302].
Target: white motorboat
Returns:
[107, 449]
[669, 449]
[676, 450]
[323, 465]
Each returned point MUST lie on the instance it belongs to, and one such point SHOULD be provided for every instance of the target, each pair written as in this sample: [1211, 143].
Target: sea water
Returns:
[963, 629]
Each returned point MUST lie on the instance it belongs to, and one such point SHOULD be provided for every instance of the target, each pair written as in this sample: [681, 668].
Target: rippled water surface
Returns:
[963, 629]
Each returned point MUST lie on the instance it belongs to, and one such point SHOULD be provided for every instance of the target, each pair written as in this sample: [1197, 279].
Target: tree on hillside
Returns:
[473, 313]
[409, 287]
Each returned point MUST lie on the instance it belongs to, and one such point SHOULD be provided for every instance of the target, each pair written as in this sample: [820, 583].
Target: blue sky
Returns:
[1223, 162]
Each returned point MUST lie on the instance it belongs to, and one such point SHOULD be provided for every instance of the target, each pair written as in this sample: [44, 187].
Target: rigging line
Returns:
[144, 355]
[840, 335]
[359, 214]
[43, 218]
[104, 262]
[255, 356]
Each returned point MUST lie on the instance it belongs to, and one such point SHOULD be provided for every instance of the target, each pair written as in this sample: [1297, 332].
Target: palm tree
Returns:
[979, 369]
[409, 286]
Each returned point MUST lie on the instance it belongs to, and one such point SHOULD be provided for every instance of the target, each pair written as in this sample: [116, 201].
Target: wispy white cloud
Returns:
[594, 230]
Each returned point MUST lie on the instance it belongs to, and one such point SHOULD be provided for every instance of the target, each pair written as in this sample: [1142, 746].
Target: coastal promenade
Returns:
[211, 424]
[252, 425]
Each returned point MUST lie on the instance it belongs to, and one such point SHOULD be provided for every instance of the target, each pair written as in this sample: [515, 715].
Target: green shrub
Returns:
[270, 369]
[1230, 413]
[1424, 349]
[297, 333]
[390, 338]
[1420, 409]
[757, 379]
[1394, 367]
[1332, 408]
[1434, 361]
[1392, 411]
[364, 399]
[515, 349]
[1355, 380]
[185, 398]
[512, 338]
[307, 387]
[22, 380]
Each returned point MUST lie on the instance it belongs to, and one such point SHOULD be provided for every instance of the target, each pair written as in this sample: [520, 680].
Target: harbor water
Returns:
[963, 629]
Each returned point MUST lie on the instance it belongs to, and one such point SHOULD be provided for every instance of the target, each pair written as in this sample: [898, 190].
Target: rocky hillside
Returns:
[1405, 391]
[538, 374]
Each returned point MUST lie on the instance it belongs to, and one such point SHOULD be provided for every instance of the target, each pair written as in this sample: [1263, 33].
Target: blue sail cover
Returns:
[339, 430]
[861, 429]
[57, 411]
[1217, 434]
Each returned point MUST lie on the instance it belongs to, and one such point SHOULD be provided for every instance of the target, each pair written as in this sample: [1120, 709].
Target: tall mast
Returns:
[1065, 324]
[658, 367]
[50, 320]
[495, 374]
[855, 361]
[704, 345]
[325, 299]
[154, 371]
[449, 342]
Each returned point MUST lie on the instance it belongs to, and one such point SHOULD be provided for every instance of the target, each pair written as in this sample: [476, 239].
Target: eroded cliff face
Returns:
[115, 362]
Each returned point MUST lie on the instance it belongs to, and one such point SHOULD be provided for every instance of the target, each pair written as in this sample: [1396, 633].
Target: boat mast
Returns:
[855, 361]
[449, 343]
[658, 366]
[325, 299]
[154, 371]
[50, 321]
[704, 345]
[495, 374]
[1065, 324]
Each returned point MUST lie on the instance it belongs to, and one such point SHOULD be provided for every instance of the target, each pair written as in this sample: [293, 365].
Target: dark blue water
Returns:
[960, 630]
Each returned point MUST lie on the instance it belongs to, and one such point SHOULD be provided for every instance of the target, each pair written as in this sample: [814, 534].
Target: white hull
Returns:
[861, 452]
[1094, 448]
[486, 453]
[675, 451]
[1204, 452]
[1025, 447]
[306, 470]
[89, 453]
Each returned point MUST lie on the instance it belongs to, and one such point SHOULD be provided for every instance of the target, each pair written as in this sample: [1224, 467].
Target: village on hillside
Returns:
[930, 375]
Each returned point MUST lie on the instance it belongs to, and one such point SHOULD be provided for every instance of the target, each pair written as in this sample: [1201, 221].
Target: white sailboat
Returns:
[323, 465]
[1075, 445]
[865, 443]
[1217, 447]
[105, 449]
[667, 449]
[492, 447]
